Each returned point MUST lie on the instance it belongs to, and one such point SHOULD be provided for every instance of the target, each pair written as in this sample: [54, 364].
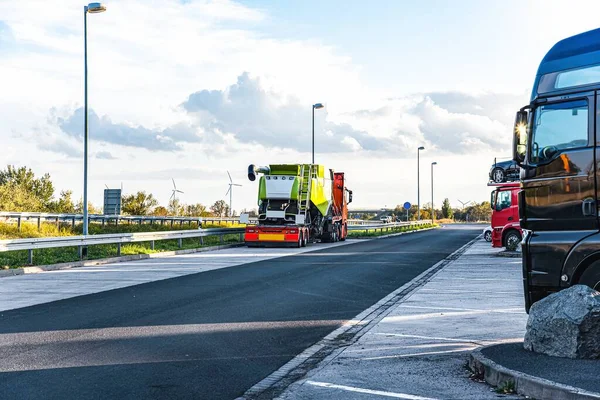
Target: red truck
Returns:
[506, 230]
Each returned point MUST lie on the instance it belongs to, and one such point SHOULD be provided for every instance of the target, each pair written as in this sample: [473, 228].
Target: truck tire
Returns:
[512, 237]
[304, 239]
[344, 229]
[300, 240]
[591, 276]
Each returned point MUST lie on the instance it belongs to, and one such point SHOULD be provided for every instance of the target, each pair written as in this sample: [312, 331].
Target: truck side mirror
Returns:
[349, 196]
[520, 137]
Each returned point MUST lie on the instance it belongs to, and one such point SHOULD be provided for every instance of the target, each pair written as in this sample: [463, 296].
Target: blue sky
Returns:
[189, 90]
[458, 44]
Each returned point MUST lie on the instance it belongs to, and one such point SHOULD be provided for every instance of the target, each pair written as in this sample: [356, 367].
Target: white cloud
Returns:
[143, 68]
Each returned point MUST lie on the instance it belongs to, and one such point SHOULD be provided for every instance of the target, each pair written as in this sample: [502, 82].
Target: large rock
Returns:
[566, 324]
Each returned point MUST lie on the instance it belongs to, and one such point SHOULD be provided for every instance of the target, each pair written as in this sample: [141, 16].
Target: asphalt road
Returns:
[204, 336]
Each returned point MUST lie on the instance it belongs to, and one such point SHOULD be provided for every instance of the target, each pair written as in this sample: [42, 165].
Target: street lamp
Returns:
[315, 106]
[92, 8]
[432, 208]
[418, 185]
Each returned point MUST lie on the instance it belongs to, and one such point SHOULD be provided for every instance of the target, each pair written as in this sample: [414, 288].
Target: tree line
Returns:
[22, 191]
[476, 212]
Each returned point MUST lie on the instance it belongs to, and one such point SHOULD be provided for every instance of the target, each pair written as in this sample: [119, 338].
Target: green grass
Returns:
[507, 387]
[16, 259]
[399, 229]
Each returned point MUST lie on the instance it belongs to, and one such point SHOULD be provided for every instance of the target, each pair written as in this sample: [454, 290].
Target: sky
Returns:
[189, 90]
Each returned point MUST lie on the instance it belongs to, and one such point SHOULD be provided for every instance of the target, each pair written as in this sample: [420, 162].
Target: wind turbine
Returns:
[464, 203]
[175, 191]
[230, 192]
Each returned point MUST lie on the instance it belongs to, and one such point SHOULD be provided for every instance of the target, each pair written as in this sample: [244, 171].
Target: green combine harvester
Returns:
[298, 204]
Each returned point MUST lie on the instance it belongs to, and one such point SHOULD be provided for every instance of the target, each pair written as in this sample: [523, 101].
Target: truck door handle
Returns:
[587, 208]
[510, 218]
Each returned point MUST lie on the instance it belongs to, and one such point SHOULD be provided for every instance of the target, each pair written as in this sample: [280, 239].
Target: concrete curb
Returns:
[102, 261]
[524, 384]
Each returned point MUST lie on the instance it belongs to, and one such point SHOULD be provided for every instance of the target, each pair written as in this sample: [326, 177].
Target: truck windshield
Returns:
[557, 127]
[503, 200]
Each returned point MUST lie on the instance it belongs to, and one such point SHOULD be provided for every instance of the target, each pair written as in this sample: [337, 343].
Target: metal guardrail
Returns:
[386, 227]
[119, 239]
[116, 219]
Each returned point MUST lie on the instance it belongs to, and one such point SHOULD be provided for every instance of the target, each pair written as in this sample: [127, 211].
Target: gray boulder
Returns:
[566, 324]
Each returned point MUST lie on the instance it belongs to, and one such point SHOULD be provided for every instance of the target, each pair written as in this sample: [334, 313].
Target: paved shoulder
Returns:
[420, 348]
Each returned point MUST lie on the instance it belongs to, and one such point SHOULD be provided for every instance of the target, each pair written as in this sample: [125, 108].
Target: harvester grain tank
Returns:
[298, 204]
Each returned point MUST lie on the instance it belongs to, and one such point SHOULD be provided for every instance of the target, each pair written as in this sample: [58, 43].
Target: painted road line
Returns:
[368, 391]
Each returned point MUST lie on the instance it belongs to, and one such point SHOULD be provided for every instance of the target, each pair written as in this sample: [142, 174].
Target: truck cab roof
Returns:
[572, 53]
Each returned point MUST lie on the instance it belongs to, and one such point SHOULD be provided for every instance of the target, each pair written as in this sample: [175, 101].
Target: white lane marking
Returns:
[399, 318]
[462, 291]
[514, 310]
[368, 391]
[476, 341]
[427, 353]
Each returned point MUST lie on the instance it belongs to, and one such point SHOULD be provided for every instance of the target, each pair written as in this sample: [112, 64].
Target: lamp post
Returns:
[432, 208]
[92, 8]
[418, 185]
[315, 106]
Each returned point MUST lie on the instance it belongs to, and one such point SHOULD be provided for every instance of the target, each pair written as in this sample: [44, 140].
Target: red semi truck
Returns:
[506, 229]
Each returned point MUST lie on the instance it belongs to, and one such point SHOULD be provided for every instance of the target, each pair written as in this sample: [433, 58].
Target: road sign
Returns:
[112, 201]
[407, 205]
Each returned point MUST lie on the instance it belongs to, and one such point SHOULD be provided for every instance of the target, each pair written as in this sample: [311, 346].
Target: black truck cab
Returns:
[556, 144]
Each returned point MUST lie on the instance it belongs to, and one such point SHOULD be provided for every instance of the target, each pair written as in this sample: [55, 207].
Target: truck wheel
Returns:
[591, 276]
[300, 240]
[304, 239]
[512, 240]
[498, 175]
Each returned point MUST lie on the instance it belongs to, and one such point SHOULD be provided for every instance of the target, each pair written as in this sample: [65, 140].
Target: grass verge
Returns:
[389, 231]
